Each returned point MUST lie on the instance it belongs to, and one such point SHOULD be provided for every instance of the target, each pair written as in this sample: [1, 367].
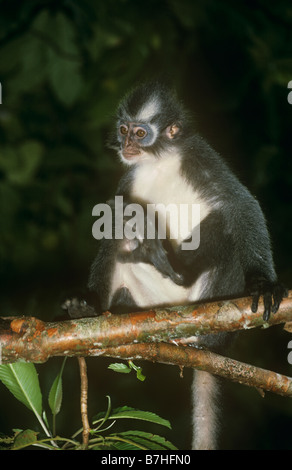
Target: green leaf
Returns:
[24, 439]
[124, 369]
[139, 375]
[22, 162]
[45, 419]
[22, 381]
[126, 412]
[103, 415]
[64, 62]
[56, 392]
[138, 371]
[65, 78]
[120, 367]
[6, 439]
[141, 440]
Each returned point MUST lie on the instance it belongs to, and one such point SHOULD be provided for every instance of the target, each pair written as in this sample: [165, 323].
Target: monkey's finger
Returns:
[278, 294]
[276, 305]
[268, 305]
[255, 302]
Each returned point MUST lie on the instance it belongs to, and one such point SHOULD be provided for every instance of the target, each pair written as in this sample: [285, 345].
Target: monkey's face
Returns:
[135, 139]
[149, 124]
[141, 141]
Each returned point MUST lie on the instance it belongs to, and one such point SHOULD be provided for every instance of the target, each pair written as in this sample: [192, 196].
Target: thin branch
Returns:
[83, 401]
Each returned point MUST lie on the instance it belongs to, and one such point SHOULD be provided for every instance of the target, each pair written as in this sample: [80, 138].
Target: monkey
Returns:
[168, 162]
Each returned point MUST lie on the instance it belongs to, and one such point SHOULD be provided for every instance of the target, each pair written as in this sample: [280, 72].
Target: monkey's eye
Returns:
[141, 133]
[123, 130]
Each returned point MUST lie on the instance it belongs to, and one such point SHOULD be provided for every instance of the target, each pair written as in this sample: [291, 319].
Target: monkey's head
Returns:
[150, 120]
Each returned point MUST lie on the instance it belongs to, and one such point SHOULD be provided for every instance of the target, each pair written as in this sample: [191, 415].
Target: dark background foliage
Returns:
[64, 65]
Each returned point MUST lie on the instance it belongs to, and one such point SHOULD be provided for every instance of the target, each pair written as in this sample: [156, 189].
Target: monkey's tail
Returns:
[205, 394]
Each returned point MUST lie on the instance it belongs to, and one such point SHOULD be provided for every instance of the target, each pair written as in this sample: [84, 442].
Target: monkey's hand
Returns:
[272, 292]
[78, 308]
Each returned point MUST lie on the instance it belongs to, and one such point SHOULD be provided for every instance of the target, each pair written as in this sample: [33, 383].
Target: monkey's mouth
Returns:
[129, 154]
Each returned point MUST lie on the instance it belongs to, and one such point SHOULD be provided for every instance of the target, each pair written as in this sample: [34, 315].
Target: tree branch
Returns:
[145, 334]
[187, 356]
[32, 340]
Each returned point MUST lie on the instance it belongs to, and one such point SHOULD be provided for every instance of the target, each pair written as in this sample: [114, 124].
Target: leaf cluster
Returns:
[22, 381]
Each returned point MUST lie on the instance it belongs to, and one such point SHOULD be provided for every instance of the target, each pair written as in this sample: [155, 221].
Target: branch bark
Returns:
[216, 364]
[145, 334]
[32, 340]
[83, 401]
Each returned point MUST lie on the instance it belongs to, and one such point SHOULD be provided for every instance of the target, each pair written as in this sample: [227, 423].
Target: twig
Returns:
[83, 401]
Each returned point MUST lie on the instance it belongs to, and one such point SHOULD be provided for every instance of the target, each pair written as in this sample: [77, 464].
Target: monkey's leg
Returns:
[205, 393]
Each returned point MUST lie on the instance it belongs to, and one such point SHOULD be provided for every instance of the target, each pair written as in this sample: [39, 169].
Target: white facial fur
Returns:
[143, 156]
[148, 111]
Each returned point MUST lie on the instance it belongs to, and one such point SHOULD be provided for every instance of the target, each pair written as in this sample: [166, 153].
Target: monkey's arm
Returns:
[257, 260]
[216, 250]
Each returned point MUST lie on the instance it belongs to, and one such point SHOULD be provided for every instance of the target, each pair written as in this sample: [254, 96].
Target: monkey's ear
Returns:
[172, 130]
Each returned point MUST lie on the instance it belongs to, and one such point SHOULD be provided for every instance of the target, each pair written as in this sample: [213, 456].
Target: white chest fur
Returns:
[149, 288]
[147, 285]
[160, 182]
